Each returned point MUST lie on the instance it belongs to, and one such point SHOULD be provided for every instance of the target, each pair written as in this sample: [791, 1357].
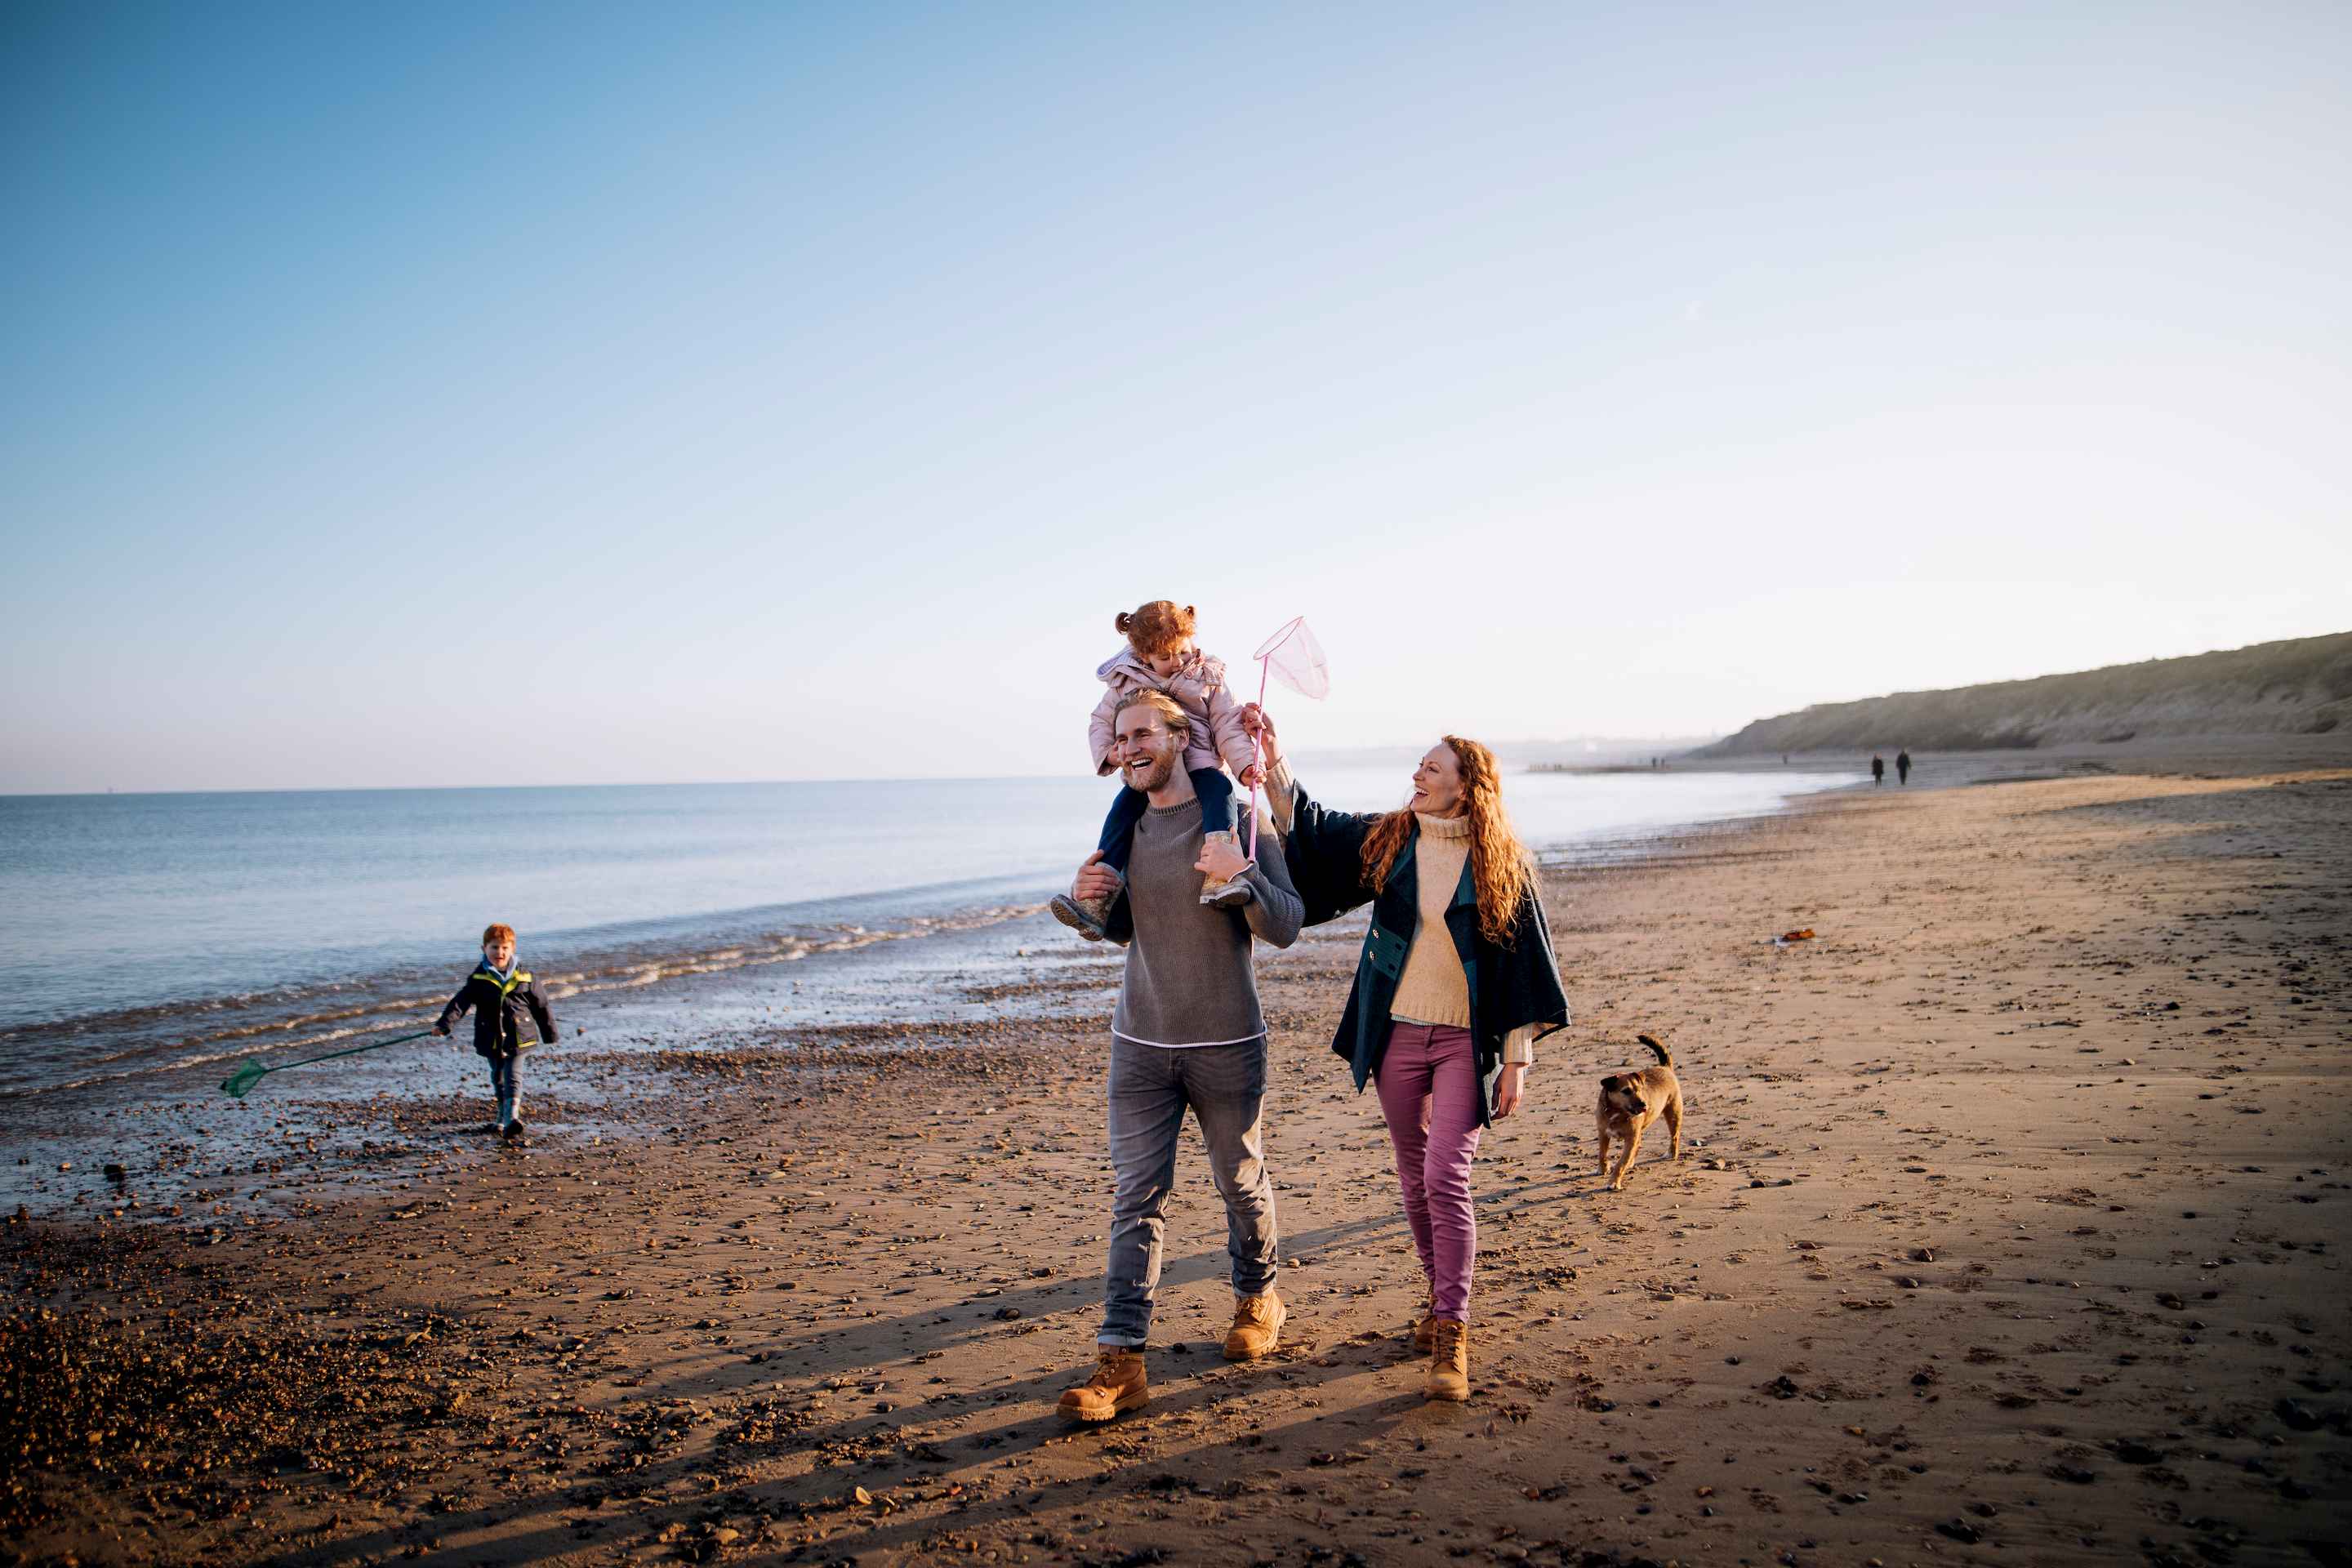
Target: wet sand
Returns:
[2012, 1227]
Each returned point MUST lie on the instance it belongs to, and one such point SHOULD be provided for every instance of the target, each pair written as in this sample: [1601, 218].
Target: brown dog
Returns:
[1631, 1101]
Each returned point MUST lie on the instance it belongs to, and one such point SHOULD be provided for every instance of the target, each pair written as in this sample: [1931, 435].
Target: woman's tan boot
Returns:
[1118, 1384]
[1449, 1360]
[1424, 1331]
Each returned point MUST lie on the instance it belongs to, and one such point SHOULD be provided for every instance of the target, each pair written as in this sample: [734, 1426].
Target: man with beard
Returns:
[1187, 1034]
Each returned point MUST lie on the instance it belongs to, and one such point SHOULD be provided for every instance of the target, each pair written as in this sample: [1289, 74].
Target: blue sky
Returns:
[396, 395]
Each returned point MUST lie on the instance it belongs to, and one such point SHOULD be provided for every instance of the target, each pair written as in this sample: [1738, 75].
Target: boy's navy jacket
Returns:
[509, 1015]
[1511, 985]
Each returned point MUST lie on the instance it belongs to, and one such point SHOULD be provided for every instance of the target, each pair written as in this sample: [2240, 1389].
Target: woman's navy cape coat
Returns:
[1511, 984]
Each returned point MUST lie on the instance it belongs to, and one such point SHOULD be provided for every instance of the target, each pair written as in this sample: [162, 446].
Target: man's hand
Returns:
[1508, 1093]
[1094, 881]
[1259, 725]
[1222, 859]
[442, 1030]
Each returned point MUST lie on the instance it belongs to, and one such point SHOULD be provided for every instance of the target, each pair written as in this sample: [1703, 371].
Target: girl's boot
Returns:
[1230, 895]
[1090, 918]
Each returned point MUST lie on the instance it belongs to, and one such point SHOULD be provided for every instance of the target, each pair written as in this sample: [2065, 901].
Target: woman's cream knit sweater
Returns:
[1433, 989]
[1432, 957]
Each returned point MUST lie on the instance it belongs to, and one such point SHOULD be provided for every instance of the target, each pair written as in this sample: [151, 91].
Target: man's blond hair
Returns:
[1180, 723]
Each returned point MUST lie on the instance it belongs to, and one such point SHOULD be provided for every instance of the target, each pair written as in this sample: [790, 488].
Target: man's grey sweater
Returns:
[1190, 978]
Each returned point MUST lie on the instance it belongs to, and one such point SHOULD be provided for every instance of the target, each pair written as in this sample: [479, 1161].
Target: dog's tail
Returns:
[1666, 1057]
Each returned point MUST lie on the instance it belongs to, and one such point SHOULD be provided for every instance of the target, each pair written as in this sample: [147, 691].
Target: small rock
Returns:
[2297, 1417]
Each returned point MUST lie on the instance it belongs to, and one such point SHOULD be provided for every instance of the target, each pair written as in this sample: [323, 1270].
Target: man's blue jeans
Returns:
[1151, 1087]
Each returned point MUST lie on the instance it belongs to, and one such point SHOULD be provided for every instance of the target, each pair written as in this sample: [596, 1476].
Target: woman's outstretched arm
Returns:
[1323, 849]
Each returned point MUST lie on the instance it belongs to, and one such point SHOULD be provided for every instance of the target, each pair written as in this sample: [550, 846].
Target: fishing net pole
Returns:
[239, 1084]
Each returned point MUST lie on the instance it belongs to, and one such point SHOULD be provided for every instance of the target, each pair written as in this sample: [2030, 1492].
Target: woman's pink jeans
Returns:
[1438, 1061]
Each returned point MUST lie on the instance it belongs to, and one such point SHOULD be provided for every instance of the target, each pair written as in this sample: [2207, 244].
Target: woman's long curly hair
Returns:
[1500, 866]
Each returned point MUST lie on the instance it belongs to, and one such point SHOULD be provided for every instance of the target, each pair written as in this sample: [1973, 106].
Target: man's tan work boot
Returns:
[1424, 1331]
[1230, 895]
[1449, 1360]
[1118, 1384]
[1258, 1326]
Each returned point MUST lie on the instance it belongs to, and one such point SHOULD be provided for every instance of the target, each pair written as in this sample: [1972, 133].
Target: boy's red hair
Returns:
[491, 933]
[1158, 628]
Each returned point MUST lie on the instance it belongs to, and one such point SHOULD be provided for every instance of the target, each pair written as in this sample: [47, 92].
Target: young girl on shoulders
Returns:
[1160, 655]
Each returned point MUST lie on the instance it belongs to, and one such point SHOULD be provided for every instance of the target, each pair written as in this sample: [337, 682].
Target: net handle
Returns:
[330, 1056]
[1257, 742]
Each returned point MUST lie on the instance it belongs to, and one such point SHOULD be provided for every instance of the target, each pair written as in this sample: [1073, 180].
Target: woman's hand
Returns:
[1259, 725]
[1508, 1093]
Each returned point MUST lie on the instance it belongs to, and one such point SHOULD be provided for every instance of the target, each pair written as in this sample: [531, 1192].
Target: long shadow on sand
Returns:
[862, 1345]
[1028, 1424]
[822, 1495]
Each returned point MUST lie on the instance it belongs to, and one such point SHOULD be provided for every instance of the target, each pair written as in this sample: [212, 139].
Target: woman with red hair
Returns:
[1455, 983]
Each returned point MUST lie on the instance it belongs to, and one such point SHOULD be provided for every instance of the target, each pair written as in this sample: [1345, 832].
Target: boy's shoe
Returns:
[1449, 1361]
[515, 1131]
[1090, 918]
[1258, 1326]
[1230, 895]
[1118, 1384]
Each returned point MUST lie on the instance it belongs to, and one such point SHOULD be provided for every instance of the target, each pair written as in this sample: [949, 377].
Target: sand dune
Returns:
[2303, 686]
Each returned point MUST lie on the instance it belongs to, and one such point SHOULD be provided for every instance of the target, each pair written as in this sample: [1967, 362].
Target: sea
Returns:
[150, 943]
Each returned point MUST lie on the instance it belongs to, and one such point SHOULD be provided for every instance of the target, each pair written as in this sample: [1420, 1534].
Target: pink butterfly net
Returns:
[1293, 657]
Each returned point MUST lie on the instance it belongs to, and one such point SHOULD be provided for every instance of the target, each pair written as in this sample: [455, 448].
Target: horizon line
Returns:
[1331, 752]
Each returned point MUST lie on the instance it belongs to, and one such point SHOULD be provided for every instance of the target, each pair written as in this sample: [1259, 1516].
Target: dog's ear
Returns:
[1608, 1085]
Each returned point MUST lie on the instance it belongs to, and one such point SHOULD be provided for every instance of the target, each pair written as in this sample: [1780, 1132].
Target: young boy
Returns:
[510, 1017]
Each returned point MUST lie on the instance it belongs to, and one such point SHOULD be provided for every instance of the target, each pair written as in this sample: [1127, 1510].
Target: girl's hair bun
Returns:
[1157, 626]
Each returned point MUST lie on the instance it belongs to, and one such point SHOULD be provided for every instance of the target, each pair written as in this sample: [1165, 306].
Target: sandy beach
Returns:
[2012, 1227]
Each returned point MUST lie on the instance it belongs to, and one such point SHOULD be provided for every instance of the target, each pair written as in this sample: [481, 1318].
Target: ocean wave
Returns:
[300, 1031]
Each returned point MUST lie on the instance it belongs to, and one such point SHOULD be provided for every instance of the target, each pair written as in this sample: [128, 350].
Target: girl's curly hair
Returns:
[1158, 628]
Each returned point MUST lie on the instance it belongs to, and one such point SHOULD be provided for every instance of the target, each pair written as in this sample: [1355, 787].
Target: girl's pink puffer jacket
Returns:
[1199, 688]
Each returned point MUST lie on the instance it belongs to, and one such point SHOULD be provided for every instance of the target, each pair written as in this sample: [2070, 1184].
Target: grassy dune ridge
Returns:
[2303, 686]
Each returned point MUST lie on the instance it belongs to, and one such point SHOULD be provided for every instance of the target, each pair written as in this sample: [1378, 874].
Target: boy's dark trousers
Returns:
[1217, 816]
[507, 1086]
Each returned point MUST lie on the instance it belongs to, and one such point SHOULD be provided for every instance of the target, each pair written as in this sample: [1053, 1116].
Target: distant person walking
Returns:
[1902, 767]
[1877, 769]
